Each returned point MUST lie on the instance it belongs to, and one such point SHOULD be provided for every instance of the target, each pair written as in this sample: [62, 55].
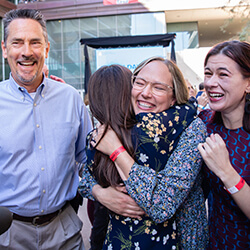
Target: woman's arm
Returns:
[155, 136]
[216, 157]
[111, 198]
[160, 194]
[86, 183]
[117, 201]
[108, 145]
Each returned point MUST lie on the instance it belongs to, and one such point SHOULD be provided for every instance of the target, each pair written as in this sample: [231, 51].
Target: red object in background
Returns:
[110, 2]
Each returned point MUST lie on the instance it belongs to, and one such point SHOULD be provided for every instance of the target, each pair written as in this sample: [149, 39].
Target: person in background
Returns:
[202, 98]
[187, 205]
[43, 132]
[201, 89]
[55, 78]
[226, 151]
[191, 89]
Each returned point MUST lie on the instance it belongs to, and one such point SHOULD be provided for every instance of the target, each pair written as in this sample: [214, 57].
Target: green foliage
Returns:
[238, 9]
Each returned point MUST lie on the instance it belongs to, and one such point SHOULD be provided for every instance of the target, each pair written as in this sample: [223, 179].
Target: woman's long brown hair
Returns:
[110, 103]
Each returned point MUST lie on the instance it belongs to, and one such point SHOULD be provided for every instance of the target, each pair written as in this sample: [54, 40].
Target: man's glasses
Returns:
[157, 88]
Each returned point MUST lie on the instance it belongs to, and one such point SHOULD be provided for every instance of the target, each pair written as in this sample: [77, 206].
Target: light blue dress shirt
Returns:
[41, 140]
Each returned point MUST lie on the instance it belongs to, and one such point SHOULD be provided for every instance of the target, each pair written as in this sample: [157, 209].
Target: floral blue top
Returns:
[174, 190]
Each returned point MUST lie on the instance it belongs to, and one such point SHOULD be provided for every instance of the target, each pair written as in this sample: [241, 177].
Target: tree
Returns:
[238, 9]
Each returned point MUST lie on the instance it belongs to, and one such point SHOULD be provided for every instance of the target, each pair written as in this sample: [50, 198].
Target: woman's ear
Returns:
[173, 102]
[248, 85]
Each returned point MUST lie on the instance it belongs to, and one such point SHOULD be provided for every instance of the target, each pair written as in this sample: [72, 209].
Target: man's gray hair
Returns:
[24, 14]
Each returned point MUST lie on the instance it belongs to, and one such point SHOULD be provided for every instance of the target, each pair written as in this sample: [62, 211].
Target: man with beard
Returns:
[42, 142]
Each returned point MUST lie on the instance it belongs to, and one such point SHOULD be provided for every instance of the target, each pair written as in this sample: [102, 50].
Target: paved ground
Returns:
[86, 224]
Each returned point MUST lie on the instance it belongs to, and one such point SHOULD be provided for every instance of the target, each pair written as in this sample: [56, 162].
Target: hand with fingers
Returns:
[202, 101]
[116, 200]
[56, 78]
[215, 155]
[107, 144]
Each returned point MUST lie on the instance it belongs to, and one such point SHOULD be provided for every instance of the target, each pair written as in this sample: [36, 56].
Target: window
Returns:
[66, 58]
[186, 35]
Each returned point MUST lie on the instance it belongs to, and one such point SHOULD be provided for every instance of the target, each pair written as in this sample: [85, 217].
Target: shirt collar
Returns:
[21, 92]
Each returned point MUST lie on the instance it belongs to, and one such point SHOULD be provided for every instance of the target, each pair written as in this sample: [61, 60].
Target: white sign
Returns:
[128, 57]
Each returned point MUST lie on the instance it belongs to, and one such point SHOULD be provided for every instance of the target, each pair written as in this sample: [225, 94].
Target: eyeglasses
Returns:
[157, 88]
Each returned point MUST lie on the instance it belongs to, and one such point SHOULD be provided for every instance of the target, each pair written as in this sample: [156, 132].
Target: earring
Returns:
[247, 104]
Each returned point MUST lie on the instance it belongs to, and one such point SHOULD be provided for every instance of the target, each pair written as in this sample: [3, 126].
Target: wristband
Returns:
[116, 153]
[201, 107]
[236, 188]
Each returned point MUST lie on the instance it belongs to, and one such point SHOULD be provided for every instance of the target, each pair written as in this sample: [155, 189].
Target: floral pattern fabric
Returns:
[157, 134]
[130, 233]
[176, 190]
[173, 190]
[155, 137]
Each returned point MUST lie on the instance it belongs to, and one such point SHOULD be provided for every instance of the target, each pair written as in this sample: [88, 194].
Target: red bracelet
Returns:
[237, 187]
[116, 153]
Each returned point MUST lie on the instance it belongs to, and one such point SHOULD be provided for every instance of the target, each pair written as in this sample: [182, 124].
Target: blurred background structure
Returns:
[197, 24]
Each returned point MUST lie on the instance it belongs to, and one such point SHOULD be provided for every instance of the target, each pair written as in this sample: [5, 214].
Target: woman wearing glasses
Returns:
[159, 99]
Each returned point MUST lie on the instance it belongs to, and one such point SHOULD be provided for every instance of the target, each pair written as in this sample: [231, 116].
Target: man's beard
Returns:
[25, 80]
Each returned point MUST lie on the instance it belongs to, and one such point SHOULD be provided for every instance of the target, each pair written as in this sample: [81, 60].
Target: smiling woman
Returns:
[152, 97]
[226, 150]
[222, 78]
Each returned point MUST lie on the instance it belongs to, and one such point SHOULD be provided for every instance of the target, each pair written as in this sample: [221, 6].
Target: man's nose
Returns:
[27, 50]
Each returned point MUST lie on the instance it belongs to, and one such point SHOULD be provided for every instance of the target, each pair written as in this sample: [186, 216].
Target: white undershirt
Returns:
[32, 94]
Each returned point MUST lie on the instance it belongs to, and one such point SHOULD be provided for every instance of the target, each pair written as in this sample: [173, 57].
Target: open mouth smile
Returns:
[144, 105]
[215, 95]
[27, 63]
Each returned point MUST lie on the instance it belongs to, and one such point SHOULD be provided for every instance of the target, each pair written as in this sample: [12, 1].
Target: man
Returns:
[43, 131]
